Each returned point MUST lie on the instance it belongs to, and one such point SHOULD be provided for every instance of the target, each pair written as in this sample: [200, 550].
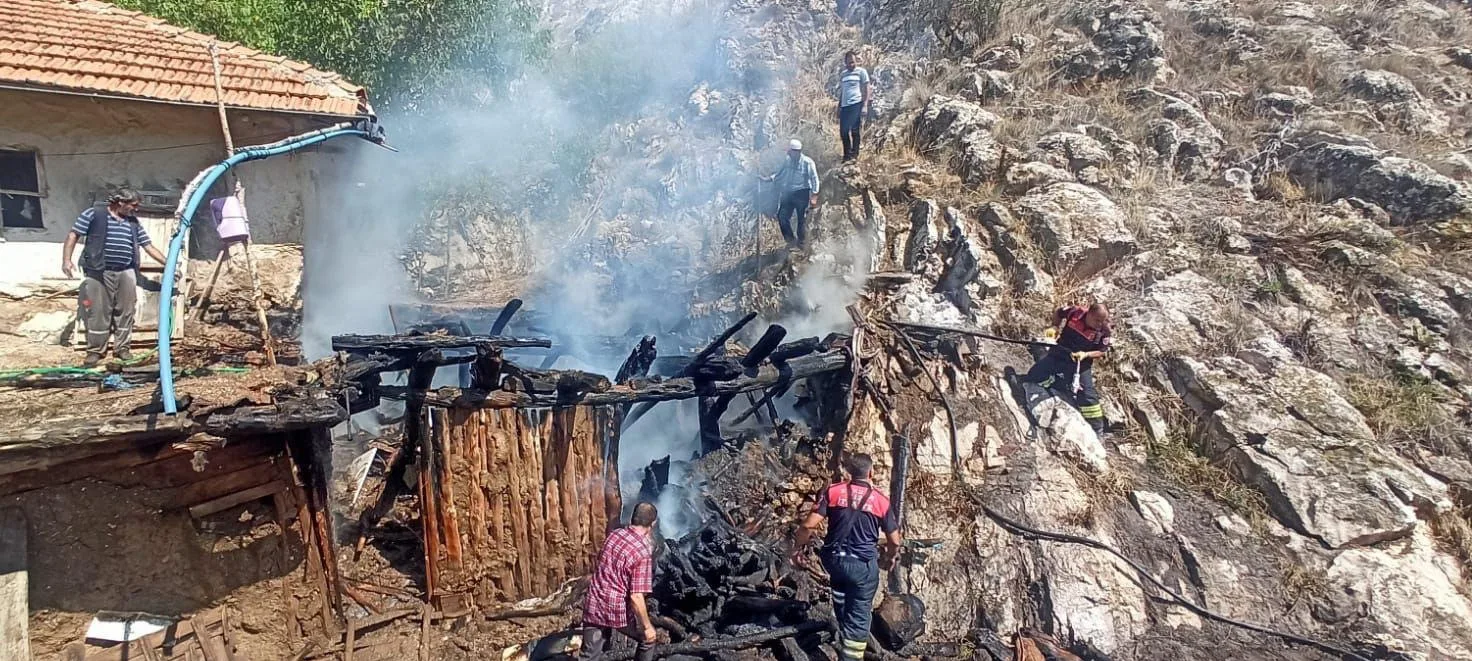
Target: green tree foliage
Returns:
[405, 51]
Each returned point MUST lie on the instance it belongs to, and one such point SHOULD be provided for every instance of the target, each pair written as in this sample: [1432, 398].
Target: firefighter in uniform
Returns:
[858, 517]
[1083, 336]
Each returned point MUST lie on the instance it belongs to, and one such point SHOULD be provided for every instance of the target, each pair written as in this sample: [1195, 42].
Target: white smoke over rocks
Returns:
[610, 186]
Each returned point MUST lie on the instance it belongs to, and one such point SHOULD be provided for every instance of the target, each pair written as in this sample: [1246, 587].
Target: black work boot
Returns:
[92, 360]
[123, 354]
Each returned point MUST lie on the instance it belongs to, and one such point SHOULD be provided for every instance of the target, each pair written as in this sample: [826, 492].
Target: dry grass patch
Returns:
[1408, 412]
[1452, 531]
[1303, 584]
[1176, 458]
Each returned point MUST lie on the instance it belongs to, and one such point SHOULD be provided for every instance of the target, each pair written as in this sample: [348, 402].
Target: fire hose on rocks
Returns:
[1028, 532]
[194, 194]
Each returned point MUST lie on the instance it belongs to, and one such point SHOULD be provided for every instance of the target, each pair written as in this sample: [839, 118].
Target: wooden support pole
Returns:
[293, 625]
[771, 394]
[449, 513]
[259, 299]
[427, 613]
[428, 502]
[420, 377]
[209, 288]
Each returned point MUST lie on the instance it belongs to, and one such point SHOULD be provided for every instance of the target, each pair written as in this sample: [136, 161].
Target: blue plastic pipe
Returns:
[194, 195]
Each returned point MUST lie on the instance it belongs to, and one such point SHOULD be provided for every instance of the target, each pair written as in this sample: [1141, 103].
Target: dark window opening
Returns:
[20, 189]
[21, 210]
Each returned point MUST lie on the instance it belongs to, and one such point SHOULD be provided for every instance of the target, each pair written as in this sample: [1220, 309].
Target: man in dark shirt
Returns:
[857, 513]
[109, 291]
[1083, 336]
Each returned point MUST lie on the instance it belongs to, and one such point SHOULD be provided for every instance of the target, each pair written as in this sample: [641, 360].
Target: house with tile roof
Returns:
[94, 97]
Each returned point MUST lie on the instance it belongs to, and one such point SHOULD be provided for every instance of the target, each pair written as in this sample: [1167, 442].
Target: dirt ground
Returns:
[96, 546]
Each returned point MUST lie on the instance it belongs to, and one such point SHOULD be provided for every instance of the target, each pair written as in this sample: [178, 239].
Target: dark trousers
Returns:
[850, 124]
[596, 642]
[794, 203]
[109, 303]
[854, 584]
[1055, 371]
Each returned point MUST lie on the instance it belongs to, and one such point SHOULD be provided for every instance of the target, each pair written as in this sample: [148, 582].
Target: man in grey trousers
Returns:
[109, 293]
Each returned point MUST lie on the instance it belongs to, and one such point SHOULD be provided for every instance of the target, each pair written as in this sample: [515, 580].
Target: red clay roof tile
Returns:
[93, 46]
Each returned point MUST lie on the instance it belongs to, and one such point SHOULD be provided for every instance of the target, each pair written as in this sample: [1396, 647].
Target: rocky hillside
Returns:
[1273, 196]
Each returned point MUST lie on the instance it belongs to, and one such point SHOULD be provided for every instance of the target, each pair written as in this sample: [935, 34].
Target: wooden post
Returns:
[293, 625]
[449, 513]
[260, 302]
[204, 297]
[15, 613]
[350, 642]
[427, 613]
[428, 506]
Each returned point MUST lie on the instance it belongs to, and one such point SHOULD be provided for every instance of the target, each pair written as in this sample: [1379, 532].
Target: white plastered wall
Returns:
[89, 145]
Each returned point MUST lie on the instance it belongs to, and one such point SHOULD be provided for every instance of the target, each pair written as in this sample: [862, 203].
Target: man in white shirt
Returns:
[853, 102]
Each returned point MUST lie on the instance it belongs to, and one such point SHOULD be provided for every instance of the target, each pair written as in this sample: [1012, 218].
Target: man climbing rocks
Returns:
[625, 574]
[1083, 336]
[109, 292]
[797, 183]
[857, 514]
[853, 102]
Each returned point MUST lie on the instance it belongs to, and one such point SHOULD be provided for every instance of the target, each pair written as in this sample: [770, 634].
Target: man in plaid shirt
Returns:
[625, 573]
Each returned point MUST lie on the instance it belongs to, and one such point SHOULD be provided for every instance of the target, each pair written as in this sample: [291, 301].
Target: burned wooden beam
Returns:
[47, 445]
[420, 378]
[414, 343]
[568, 385]
[638, 391]
[639, 361]
[504, 318]
[796, 349]
[766, 400]
[287, 415]
[764, 347]
[485, 372]
[711, 410]
[360, 366]
[717, 345]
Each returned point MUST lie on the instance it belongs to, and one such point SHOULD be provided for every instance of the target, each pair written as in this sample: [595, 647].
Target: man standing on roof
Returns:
[797, 183]
[853, 102]
[857, 515]
[110, 261]
[625, 574]
[1083, 336]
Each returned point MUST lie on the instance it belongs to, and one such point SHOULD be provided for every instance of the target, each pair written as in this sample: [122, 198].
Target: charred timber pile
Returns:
[719, 581]
[500, 383]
